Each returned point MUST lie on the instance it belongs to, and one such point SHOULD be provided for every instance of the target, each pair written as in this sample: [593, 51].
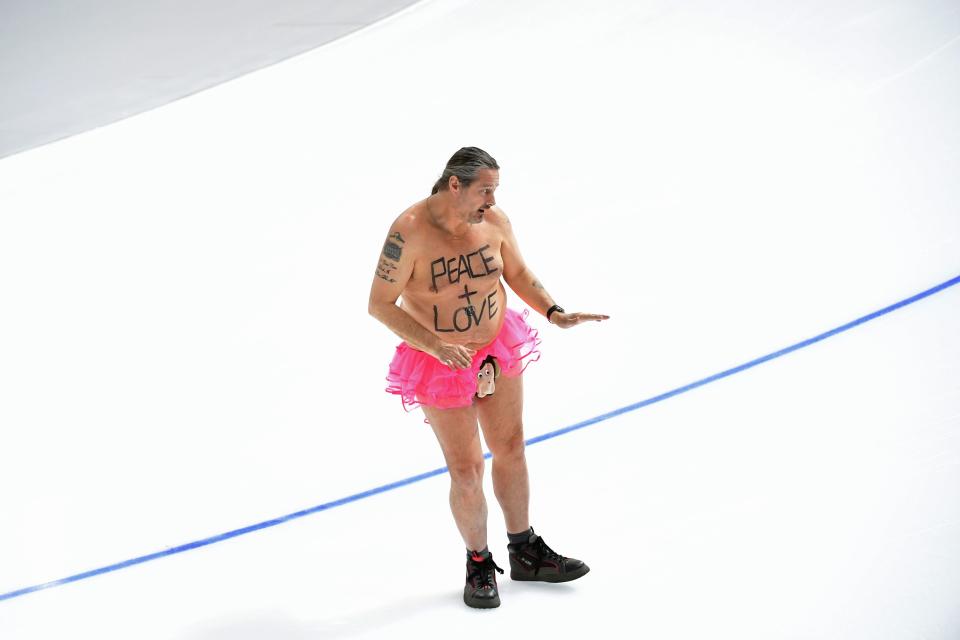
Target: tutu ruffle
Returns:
[420, 379]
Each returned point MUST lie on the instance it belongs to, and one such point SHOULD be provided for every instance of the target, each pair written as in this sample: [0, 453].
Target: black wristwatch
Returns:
[555, 307]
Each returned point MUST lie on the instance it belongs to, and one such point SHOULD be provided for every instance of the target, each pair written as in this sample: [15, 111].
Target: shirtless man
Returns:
[447, 257]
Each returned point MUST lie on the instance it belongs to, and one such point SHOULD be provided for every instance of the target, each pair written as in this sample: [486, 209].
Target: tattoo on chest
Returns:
[476, 264]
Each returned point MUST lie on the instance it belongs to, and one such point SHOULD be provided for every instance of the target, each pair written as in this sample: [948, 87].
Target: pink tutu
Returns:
[420, 379]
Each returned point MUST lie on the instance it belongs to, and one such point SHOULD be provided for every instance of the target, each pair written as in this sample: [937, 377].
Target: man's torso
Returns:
[455, 289]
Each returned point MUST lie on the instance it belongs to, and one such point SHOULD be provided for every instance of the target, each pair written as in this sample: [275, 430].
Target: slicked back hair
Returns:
[465, 164]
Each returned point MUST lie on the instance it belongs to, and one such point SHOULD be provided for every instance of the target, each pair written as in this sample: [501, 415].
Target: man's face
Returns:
[476, 198]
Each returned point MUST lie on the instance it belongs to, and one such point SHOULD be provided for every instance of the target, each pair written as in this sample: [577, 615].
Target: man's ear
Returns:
[453, 183]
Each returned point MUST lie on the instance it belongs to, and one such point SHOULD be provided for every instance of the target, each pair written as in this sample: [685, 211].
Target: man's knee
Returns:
[467, 473]
[509, 447]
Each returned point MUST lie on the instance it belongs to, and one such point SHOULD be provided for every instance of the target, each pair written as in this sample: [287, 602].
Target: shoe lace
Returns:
[481, 572]
[543, 551]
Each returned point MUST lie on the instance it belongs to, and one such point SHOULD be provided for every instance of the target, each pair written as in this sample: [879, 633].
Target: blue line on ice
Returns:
[429, 474]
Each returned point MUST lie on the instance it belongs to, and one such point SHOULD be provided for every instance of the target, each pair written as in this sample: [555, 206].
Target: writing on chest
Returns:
[468, 314]
[475, 264]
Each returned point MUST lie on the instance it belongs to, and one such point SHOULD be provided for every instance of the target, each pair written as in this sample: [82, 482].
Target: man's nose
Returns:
[491, 200]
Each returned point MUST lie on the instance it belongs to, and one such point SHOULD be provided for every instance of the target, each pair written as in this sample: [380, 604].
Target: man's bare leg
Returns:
[456, 430]
[501, 416]
[502, 422]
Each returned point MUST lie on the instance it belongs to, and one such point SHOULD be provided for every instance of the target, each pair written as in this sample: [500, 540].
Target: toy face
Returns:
[485, 380]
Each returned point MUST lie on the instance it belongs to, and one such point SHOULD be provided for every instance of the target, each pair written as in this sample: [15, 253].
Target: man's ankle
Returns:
[478, 555]
[520, 538]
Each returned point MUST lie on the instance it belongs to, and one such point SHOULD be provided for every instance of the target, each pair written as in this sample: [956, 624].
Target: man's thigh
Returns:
[501, 414]
[456, 431]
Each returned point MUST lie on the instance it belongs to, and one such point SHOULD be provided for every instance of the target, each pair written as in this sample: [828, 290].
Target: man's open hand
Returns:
[454, 356]
[567, 320]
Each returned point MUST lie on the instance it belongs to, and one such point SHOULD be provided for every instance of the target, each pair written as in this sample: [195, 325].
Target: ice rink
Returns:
[196, 444]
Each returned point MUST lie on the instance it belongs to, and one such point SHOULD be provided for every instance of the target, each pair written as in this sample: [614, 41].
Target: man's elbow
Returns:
[376, 308]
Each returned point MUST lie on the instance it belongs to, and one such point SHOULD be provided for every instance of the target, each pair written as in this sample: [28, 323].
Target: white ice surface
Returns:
[185, 350]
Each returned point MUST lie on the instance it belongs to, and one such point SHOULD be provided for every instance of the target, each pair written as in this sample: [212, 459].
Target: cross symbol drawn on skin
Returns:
[466, 296]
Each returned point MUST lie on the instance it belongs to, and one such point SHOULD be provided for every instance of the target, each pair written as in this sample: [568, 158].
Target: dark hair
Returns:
[465, 164]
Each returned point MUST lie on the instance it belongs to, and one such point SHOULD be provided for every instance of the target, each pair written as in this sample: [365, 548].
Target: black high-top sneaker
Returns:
[534, 560]
[480, 591]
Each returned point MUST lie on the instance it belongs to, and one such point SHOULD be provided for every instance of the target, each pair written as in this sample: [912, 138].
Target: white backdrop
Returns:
[185, 348]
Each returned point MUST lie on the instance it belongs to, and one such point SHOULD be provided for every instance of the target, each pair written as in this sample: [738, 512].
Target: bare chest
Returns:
[457, 287]
[444, 271]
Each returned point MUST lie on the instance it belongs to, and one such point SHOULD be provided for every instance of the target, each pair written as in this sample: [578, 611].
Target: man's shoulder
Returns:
[410, 224]
[497, 218]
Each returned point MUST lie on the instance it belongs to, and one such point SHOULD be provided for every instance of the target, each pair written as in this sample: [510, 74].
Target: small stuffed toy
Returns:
[489, 371]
